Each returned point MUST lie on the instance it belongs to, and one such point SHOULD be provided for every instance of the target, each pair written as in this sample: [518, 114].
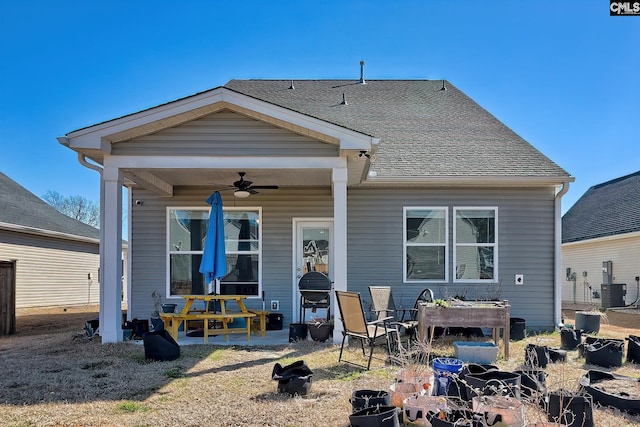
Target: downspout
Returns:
[557, 281]
[82, 159]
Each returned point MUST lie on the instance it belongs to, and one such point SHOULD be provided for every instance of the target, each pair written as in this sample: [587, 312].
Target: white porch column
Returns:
[111, 284]
[339, 182]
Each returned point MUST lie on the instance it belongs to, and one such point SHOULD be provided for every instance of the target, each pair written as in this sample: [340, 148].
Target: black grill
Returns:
[315, 292]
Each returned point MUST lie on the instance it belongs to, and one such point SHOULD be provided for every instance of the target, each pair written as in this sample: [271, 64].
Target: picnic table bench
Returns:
[172, 321]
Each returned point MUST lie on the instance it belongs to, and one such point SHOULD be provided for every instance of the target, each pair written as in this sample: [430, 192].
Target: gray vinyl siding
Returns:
[525, 243]
[51, 272]
[148, 242]
[229, 134]
[525, 246]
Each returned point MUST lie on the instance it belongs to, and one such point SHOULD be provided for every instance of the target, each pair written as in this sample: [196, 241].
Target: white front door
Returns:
[313, 251]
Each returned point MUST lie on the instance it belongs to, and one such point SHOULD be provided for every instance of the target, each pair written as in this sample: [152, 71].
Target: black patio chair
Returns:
[384, 306]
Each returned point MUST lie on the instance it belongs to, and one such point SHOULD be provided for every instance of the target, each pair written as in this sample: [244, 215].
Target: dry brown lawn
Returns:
[48, 378]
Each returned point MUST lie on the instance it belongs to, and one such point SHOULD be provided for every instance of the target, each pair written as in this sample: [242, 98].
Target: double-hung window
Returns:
[425, 244]
[475, 234]
[186, 232]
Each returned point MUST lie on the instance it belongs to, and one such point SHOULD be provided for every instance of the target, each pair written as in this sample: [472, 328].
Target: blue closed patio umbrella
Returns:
[214, 258]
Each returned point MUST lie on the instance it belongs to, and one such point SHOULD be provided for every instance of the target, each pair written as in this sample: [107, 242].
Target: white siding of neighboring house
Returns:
[52, 272]
[587, 256]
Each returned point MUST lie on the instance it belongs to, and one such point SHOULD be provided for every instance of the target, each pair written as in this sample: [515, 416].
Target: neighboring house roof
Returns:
[606, 209]
[21, 210]
[424, 131]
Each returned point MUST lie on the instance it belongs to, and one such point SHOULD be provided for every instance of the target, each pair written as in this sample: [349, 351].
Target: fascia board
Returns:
[97, 137]
[48, 233]
[471, 181]
[595, 240]
[200, 162]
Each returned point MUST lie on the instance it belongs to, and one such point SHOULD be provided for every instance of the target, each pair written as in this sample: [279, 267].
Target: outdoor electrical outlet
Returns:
[275, 305]
[519, 279]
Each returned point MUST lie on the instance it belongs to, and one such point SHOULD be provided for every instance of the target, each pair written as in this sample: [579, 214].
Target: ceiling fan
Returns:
[245, 188]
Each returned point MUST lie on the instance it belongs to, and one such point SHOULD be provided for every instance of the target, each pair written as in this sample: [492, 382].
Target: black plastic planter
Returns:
[536, 356]
[375, 416]
[557, 355]
[462, 418]
[320, 332]
[457, 389]
[493, 383]
[570, 338]
[160, 346]
[594, 383]
[298, 332]
[532, 383]
[517, 328]
[588, 322]
[570, 409]
[607, 353]
[294, 378]
[633, 349]
[361, 399]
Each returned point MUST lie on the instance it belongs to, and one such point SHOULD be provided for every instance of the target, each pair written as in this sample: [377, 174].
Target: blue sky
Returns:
[562, 76]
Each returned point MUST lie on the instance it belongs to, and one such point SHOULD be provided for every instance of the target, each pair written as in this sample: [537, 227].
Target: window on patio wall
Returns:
[187, 229]
[476, 244]
[425, 244]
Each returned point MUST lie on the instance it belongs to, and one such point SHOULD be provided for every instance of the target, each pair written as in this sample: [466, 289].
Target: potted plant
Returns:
[320, 329]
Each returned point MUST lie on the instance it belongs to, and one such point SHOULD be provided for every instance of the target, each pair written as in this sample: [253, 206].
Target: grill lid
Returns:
[314, 280]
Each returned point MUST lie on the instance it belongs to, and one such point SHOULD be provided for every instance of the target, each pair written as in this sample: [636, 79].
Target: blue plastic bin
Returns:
[443, 369]
[482, 353]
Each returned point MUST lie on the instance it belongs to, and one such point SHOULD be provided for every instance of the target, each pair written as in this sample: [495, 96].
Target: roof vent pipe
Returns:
[362, 82]
[292, 86]
[344, 99]
[443, 86]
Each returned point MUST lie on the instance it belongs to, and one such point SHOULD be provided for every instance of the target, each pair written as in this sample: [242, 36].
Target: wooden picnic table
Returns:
[172, 321]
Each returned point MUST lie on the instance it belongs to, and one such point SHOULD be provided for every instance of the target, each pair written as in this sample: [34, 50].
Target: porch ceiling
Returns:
[222, 178]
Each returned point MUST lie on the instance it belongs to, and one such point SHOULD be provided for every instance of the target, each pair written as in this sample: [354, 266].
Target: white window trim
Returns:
[169, 252]
[494, 244]
[405, 244]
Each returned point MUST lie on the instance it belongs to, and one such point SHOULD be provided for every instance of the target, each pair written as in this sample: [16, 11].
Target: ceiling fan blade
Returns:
[251, 190]
[242, 183]
[266, 187]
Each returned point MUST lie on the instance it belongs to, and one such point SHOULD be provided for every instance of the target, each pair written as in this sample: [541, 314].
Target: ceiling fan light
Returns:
[241, 194]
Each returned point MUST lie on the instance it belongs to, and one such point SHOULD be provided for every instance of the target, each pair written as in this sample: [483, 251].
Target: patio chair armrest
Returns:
[383, 320]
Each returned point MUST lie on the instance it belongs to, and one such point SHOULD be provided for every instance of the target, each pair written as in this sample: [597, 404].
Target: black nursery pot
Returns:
[375, 416]
[633, 349]
[361, 399]
[294, 378]
[160, 346]
[606, 353]
[532, 382]
[298, 332]
[492, 383]
[320, 333]
[570, 338]
[571, 410]
[453, 419]
[536, 356]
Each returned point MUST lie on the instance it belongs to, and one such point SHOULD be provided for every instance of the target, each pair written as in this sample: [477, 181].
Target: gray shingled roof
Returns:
[606, 209]
[424, 131]
[18, 206]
